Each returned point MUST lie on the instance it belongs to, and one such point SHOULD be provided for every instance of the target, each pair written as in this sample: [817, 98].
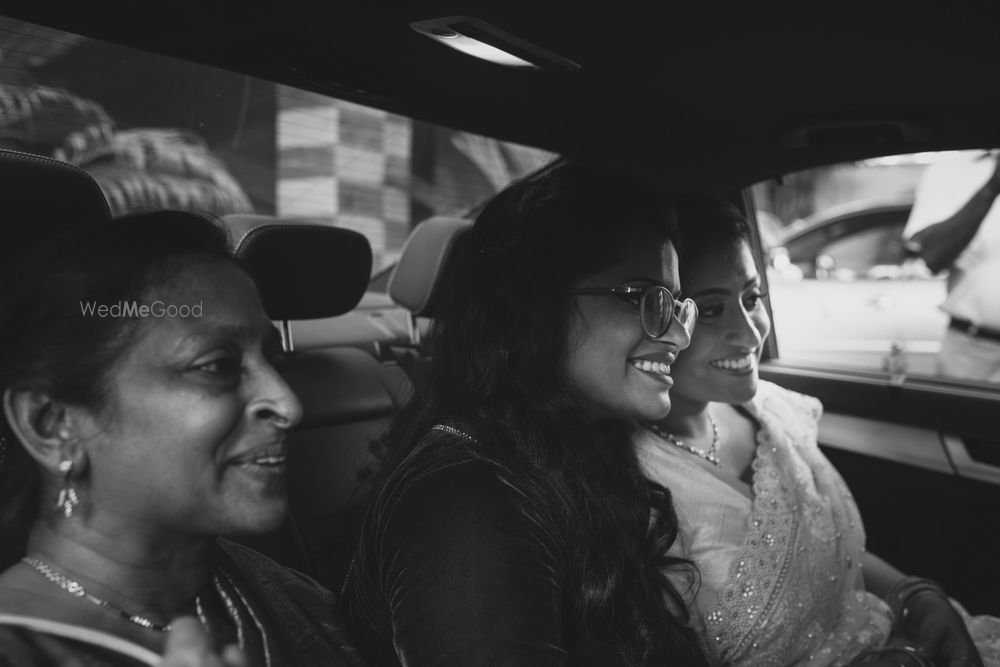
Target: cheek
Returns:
[763, 323]
[190, 423]
[210, 422]
[599, 345]
[690, 359]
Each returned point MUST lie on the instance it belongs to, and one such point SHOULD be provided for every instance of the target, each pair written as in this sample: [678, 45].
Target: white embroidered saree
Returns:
[780, 574]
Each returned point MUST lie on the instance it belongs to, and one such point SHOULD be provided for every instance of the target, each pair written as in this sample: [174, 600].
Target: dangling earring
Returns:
[67, 494]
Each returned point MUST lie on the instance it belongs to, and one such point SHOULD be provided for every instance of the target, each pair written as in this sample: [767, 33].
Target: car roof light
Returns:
[481, 40]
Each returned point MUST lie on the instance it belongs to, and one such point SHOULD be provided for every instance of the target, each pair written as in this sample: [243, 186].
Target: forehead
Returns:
[728, 264]
[202, 276]
[652, 258]
[226, 296]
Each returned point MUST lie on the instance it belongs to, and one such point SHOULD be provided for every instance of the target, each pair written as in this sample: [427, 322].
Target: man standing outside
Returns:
[955, 226]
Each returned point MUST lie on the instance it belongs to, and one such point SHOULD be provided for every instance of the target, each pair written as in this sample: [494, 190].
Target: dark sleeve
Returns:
[20, 647]
[16, 649]
[468, 577]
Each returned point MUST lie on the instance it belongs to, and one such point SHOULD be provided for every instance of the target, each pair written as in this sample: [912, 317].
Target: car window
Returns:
[157, 132]
[849, 284]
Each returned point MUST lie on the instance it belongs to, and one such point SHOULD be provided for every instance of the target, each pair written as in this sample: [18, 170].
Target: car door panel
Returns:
[909, 445]
[930, 503]
[966, 465]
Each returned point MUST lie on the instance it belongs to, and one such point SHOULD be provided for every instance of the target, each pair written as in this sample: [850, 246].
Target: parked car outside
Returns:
[845, 292]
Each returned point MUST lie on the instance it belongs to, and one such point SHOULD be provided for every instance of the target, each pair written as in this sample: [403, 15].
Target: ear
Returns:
[45, 426]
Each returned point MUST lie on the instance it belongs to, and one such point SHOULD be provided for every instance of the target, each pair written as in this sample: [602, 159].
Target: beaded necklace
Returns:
[711, 455]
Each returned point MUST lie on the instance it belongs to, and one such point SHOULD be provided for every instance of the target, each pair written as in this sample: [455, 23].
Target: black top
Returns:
[455, 568]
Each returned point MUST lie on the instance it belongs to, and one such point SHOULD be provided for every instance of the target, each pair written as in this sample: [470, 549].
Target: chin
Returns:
[742, 392]
[263, 519]
[654, 411]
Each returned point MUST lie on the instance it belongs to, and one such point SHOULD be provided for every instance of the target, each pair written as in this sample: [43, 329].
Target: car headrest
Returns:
[303, 270]
[416, 282]
[40, 197]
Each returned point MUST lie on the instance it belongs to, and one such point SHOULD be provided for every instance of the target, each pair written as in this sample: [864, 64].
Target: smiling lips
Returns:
[659, 370]
[271, 456]
[738, 364]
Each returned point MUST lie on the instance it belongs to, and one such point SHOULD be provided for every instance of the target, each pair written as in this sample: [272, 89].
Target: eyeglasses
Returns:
[656, 305]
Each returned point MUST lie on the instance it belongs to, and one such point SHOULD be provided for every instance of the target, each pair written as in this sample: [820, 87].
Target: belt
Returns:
[974, 330]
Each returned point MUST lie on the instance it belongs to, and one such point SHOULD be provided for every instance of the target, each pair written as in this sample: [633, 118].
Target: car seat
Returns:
[418, 278]
[42, 196]
[307, 271]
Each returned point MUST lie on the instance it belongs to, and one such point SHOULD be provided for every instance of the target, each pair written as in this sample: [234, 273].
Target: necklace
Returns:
[451, 430]
[76, 589]
[713, 450]
[236, 606]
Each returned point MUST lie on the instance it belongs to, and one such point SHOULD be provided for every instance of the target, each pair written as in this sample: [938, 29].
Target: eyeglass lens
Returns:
[658, 309]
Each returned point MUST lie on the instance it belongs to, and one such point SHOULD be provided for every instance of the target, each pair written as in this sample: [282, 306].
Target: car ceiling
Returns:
[704, 95]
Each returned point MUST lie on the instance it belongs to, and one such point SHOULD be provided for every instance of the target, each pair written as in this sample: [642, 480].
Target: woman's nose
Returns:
[744, 331]
[677, 334]
[276, 400]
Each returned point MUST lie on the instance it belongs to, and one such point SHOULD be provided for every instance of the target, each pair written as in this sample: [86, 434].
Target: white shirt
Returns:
[945, 187]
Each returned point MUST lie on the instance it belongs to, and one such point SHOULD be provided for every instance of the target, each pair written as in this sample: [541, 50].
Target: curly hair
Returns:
[497, 367]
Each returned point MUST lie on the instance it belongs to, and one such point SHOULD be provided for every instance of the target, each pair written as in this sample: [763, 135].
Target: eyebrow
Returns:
[721, 291]
[238, 332]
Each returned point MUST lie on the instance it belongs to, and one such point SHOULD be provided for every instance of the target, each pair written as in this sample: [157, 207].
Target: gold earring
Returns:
[67, 494]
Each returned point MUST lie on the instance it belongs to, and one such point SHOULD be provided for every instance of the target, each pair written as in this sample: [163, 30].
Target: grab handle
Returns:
[965, 465]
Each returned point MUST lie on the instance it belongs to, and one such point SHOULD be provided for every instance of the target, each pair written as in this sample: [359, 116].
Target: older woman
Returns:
[774, 531]
[144, 418]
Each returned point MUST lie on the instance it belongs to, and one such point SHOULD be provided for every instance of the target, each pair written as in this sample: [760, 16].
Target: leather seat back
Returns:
[41, 197]
[417, 280]
[308, 271]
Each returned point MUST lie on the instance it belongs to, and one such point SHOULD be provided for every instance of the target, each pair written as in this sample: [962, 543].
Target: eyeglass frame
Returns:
[645, 291]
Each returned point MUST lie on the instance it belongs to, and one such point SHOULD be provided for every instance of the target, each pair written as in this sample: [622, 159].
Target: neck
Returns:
[142, 576]
[687, 419]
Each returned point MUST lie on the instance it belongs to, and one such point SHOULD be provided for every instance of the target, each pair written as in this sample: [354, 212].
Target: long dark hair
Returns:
[47, 342]
[497, 369]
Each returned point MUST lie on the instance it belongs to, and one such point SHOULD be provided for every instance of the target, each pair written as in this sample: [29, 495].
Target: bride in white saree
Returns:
[767, 520]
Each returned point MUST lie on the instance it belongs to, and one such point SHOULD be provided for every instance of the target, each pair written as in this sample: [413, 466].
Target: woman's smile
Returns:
[656, 366]
[266, 460]
[741, 364]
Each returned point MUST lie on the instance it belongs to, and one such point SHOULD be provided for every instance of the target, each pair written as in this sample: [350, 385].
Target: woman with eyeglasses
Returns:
[511, 524]
[766, 519]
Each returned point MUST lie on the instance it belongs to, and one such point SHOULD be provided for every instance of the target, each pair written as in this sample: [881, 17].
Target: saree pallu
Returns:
[781, 580]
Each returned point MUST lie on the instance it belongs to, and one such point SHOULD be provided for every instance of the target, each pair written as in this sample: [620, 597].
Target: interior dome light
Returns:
[481, 40]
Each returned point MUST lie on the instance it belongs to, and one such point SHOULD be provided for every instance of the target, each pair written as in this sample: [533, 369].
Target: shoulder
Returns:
[446, 481]
[277, 586]
[457, 500]
[255, 564]
[464, 514]
[772, 399]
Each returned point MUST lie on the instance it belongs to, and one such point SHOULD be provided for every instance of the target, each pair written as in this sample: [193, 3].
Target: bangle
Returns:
[905, 591]
[913, 656]
[912, 652]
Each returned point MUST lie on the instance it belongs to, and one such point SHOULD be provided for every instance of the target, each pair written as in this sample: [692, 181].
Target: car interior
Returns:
[726, 99]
